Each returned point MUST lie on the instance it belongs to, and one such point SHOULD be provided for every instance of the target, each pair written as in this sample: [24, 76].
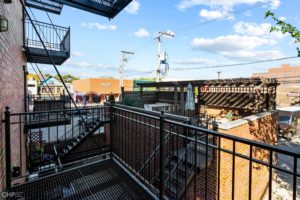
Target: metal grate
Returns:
[102, 180]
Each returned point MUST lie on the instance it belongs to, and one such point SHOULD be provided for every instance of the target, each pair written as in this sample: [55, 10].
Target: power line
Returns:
[236, 64]
[148, 72]
[219, 66]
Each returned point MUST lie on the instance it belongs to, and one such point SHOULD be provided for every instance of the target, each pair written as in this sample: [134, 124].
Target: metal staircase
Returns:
[180, 165]
[178, 173]
[80, 132]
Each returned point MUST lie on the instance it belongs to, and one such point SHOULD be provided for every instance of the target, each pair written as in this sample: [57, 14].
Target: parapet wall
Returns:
[262, 127]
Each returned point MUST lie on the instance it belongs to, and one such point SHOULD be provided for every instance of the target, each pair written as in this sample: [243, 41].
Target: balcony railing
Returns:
[56, 39]
[173, 160]
[106, 8]
[45, 5]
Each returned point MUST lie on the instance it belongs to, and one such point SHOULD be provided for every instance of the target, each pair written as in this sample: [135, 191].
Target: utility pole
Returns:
[219, 75]
[160, 34]
[124, 59]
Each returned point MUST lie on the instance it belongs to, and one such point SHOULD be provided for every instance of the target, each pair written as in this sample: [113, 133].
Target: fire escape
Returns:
[46, 43]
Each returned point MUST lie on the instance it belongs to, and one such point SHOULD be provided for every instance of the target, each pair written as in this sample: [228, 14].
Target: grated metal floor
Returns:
[103, 180]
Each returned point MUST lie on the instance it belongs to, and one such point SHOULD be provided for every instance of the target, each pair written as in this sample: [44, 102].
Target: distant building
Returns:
[288, 92]
[70, 87]
[50, 87]
[32, 86]
[99, 88]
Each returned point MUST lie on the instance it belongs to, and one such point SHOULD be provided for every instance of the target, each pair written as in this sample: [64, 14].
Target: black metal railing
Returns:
[47, 133]
[176, 160]
[38, 103]
[193, 162]
[56, 38]
[175, 109]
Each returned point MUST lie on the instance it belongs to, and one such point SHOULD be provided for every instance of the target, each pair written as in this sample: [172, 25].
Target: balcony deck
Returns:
[100, 180]
[55, 38]
[45, 5]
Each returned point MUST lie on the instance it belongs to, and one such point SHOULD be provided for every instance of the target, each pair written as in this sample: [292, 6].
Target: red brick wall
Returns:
[263, 129]
[12, 82]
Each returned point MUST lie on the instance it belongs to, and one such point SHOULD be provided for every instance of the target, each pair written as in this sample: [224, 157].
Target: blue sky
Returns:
[207, 33]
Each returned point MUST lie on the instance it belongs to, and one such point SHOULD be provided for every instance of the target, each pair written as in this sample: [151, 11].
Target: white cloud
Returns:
[282, 18]
[274, 4]
[243, 43]
[78, 54]
[98, 26]
[82, 64]
[230, 43]
[141, 33]
[223, 9]
[215, 14]
[254, 55]
[133, 7]
[194, 61]
[253, 29]
[225, 4]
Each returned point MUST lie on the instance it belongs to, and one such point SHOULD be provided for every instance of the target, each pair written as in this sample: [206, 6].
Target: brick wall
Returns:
[262, 128]
[12, 60]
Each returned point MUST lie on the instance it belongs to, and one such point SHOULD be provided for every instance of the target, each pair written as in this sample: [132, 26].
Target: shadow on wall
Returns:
[261, 130]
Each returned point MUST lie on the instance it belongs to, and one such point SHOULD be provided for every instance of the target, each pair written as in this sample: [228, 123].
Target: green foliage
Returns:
[132, 102]
[146, 79]
[68, 78]
[284, 28]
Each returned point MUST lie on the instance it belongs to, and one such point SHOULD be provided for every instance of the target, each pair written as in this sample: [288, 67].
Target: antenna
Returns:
[219, 75]
[124, 59]
[159, 55]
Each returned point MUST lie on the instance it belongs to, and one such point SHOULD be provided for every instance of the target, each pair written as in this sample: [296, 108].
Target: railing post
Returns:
[111, 126]
[7, 147]
[162, 157]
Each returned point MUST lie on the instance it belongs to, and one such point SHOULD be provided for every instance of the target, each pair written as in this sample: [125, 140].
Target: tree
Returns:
[68, 78]
[284, 28]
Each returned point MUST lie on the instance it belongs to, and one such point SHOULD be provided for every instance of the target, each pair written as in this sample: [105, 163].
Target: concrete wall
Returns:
[12, 60]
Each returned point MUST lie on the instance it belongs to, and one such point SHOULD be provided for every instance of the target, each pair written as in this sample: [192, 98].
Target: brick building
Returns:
[101, 86]
[288, 92]
[12, 81]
